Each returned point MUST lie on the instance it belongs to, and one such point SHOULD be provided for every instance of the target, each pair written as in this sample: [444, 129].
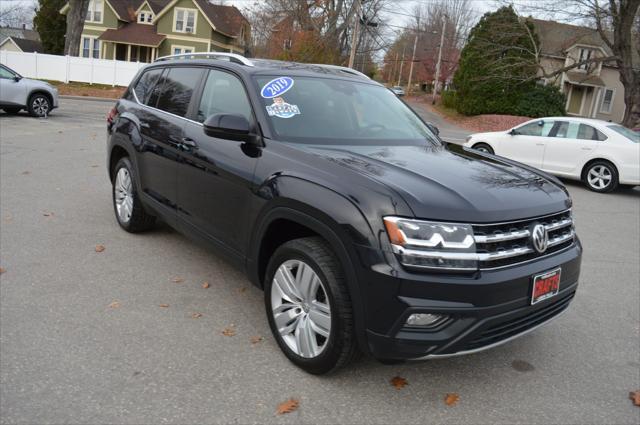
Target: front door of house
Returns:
[575, 100]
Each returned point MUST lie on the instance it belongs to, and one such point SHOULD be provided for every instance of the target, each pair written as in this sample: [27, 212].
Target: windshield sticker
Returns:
[282, 109]
[276, 87]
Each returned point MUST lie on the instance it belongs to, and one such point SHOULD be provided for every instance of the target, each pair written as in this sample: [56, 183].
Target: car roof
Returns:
[592, 121]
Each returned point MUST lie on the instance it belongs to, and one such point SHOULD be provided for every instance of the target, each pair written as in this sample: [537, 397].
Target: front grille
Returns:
[504, 330]
[504, 244]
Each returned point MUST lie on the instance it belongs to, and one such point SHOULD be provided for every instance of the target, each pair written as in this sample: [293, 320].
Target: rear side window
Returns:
[177, 90]
[589, 133]
[223, 94]
[146, 83]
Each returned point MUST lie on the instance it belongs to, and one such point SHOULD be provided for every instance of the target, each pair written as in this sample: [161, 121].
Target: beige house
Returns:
[593, 90]
[143, 30]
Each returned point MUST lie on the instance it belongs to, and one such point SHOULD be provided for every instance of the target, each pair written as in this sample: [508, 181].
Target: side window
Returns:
[589, 133]
[5, 73]
[538, 128]
[146, 83]
[223, 94]
[177, 90]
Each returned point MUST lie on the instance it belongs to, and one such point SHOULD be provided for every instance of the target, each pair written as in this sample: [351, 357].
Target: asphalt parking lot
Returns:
[84, 339]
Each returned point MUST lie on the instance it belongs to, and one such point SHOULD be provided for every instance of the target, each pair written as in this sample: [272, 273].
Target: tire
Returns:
[127, 206]
[317, 354]
[12, 110]
[39, 105]
[600, 176]
[483, 147]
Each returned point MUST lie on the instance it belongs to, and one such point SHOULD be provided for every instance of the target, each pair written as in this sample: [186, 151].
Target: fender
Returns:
[126, 135]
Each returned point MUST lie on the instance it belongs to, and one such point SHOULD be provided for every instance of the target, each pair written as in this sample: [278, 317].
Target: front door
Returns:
[215, 175]
[526, 143]
[575, 100]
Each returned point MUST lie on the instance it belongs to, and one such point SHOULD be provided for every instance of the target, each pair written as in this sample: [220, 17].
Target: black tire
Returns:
[341, 346]
[483, 147]
[600, 166]
[139, 220]
[12, 110]
[39, 105]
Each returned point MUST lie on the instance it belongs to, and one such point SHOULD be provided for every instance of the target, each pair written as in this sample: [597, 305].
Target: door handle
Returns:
[539, 144]
[586, 149]
[188, 142]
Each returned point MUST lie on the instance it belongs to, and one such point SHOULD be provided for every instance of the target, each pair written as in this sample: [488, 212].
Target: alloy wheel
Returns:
[300, 308]
[123, 195]
[599, 177]
[40, 106]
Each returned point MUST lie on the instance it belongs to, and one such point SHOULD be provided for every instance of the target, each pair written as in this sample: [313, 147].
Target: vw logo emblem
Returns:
[539, 238]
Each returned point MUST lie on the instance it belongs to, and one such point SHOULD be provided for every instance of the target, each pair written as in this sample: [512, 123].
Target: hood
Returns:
[453, 183]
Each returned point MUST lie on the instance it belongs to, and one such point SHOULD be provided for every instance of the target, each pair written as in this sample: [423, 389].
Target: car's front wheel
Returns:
[130, 212]
[308, 306]
[39, 105]
[601, 176]
[483, 147]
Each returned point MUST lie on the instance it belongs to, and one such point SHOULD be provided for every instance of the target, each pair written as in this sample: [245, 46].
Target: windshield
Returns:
[330, 111]
[629, 134]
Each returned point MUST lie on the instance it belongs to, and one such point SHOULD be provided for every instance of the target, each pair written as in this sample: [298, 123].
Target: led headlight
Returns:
[432, 245]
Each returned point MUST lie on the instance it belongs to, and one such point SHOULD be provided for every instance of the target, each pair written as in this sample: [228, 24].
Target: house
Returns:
[20, 40]
[143, 30]
[592, 90]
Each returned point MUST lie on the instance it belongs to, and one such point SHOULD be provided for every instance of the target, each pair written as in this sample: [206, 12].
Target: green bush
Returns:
[449, 99]
[541, 101]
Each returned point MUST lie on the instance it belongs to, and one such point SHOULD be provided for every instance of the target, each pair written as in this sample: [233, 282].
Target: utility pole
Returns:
[393, 69]
[356, 29]
[435, 84]
[413, 59]
[401, 63]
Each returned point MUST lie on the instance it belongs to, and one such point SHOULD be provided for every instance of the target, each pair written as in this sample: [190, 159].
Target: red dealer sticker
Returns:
[545, 286]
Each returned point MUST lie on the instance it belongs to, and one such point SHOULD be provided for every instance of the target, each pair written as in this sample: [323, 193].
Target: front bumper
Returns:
[485, 310]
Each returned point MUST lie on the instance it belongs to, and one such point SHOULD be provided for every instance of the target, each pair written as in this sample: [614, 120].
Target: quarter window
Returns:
[185, 20]
[607, 101]
[223, 94]
[178, 89]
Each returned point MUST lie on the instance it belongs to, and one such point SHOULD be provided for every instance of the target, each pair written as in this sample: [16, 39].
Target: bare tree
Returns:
[15, 14]
[76, 15]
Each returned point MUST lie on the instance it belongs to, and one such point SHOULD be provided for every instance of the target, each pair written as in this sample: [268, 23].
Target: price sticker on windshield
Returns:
[276, 87]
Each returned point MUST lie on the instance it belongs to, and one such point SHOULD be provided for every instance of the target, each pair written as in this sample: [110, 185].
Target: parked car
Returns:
[601, 154]
[364, 231]
[398, 90]
[39, 98]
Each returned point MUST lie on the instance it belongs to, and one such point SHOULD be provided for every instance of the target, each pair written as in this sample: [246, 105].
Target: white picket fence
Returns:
[70, 68]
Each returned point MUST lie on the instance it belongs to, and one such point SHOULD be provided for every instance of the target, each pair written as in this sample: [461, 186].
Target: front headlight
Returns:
[433, 245]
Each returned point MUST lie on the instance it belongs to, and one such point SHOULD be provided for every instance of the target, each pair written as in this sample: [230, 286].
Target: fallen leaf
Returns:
[256, 339]
[399, 382]
[26, 172]
[241, 290]
[229, 331]
[205, 285]
[196, 315]
[177, 280]
[115, 304]
[59, 131]
[288, 406]
[164, 305]
[48, 214]
[2, 270]
[94, 166]
[451, 398]
[100, 248]
[635, 397]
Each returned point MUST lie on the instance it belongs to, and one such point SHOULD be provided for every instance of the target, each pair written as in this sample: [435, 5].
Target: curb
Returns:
[89, 98]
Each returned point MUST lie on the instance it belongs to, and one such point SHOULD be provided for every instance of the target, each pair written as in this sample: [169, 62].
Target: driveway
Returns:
[130, 335]
[448, 132]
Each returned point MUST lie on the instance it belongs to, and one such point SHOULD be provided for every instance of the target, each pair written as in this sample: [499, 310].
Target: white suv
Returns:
[18, 93]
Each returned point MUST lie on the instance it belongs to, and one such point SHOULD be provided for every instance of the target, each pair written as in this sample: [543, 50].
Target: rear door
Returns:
[569, 142]
[161, 126]
[527, 144]
[215, 175]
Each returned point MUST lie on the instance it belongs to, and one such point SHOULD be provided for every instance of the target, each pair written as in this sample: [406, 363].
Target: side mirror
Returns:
[433, 129]
[229, 126]
[17, 78]
[513, 132]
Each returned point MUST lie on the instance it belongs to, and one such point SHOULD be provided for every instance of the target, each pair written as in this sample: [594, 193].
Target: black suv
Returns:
[366, 232]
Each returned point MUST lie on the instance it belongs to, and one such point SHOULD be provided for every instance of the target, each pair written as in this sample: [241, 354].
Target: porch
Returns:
[132, 42]
[583, 94]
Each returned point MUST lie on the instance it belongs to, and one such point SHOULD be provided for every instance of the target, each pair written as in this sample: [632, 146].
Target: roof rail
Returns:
[344, 69]
[231, 57]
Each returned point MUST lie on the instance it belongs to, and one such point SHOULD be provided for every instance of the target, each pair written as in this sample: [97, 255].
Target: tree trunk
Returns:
[623, 20]
[76, 16]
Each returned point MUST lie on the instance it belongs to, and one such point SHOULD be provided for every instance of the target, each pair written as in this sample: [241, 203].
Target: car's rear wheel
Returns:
[601, 176]
[130, 212]
[483, 147]
[308, 306]
[12, 110]
[39, 105]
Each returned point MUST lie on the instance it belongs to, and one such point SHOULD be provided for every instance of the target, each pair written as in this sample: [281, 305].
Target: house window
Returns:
[185, 20]
[90, 47]
[287, 44]
[181, 50]
[145, 17]
[607, 101]
[95, 11]
[585, 54]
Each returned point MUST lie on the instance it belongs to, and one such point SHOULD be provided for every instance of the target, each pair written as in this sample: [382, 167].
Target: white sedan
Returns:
[601, 154]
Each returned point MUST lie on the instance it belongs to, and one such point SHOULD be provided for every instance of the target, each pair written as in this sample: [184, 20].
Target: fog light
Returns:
[425, 319]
